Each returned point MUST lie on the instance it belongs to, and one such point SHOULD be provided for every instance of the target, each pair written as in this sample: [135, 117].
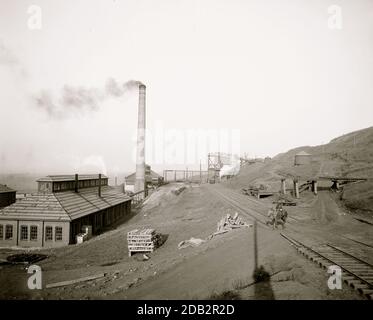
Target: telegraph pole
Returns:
[200, 171]
[255, 247]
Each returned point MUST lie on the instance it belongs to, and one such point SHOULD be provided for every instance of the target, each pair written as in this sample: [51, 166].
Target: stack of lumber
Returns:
[228, 223]
[285, 202]
[144, 240]
[260, 192]
[305, 186]
[250, 191]
[254, 190]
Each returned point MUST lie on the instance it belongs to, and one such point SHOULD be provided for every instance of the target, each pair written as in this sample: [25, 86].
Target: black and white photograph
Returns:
[191, 150]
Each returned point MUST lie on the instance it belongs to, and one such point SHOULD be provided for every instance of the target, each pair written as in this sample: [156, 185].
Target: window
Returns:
[24, 233]
[8, 232]
[58, 233]
[34, 233]
[1, 232]
[48, 233]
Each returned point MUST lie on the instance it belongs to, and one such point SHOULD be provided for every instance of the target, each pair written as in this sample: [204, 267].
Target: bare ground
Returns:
[223, 264]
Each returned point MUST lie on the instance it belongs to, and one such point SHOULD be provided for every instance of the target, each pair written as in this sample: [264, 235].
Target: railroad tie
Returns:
[356, 273]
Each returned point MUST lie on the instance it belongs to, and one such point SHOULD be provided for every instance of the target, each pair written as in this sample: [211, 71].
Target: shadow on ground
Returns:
[262, 285]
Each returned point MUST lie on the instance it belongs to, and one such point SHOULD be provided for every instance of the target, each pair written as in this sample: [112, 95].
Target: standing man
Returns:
[272, 214]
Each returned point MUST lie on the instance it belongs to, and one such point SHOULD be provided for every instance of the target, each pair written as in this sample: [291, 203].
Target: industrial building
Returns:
[7, 196]
[55, 215]
[151, 178]
[219, 163]
[302, 158]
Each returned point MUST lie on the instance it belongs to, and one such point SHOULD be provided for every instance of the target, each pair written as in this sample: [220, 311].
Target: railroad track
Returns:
[259, 217]
[233, 199]
[290, 220]
[356, 272]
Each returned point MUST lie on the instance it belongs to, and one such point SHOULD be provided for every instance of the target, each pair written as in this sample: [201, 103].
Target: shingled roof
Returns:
[35, 207]
[63, 206]
[87, 201]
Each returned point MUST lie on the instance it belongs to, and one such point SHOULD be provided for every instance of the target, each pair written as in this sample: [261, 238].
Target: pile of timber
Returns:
[285, 202]
[254, 190]
[251, 191]
[228, 223]
[144, 240]
[305, 186]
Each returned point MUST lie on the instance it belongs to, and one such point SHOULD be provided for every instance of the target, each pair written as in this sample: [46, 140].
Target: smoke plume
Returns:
[9, 60]
[74, 100]
[7, 57]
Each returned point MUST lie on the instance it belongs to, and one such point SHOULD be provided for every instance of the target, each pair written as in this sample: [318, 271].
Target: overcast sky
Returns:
[274, 71]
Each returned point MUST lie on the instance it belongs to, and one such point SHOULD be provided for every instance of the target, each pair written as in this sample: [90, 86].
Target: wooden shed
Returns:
[302, 158]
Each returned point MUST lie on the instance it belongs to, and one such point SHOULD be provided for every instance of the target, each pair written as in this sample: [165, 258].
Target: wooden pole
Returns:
[255, 247]
[283, 186]
[296, 188]
[200, 171]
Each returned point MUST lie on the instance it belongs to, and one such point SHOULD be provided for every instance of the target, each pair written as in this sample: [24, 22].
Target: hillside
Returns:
[350, 155]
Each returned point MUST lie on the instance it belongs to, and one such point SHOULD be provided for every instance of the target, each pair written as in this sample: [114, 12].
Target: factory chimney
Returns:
[140, 156]
[76, 183]
[99, 185]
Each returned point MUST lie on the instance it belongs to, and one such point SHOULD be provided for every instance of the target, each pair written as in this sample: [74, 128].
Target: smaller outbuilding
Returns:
[7, 196]
[302, 158]
[151, 177]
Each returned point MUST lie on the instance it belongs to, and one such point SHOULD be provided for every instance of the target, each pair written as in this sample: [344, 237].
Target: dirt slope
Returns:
[350, 155]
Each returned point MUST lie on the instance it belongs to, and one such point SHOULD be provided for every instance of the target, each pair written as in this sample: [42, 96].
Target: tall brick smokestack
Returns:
[140, 156]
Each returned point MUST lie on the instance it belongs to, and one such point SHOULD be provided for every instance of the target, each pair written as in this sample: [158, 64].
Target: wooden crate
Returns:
[141, 240]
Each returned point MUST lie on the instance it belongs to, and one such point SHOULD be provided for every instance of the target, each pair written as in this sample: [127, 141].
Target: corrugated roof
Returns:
[302, 153]
[66, 205]
[4, 188]
[70, 177]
